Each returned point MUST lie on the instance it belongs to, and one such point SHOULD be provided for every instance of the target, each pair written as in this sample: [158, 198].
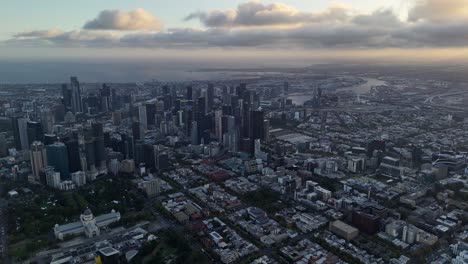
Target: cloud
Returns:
[274, 26]
[439, 10]
[39, 33]
[254, 13]
[137, 19]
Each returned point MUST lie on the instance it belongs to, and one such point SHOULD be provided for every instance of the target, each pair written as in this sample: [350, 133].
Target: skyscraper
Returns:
[35, 132]
[189, 93]
[194, 133]
[47, 120]
[66, 97]
[150, 113]
[142, 117]
[99, 148]
[73, 153]
[219, 125]
[57, 157]
[77, 106]
[20, 132]
[3, 145]
[209, 97]
[256, 125]
[38, 158]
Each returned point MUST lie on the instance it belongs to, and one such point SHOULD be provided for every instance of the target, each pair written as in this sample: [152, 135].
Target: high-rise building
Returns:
[136, 131]
[76, 103]
[150, 113]
[78, 178]
[66, 97]
[73, 154]
[219, 125]
[210, 97]
[35, 132]
[266, 128]
[50, 139]
[256, 125]
[152, 187]
[38, 158]
[142, 117]
[47, 120]
[99, 148]
[57, 157]
[194, 133]
[20, 132]
[189, 93]
[89, 151]
[52, 177]
[3, 146]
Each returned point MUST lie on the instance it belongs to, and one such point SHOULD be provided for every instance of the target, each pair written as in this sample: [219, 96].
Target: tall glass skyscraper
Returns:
[57, 157]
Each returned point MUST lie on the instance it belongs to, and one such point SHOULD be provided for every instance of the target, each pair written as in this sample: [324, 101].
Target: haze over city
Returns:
[226, 131]
[228, 34]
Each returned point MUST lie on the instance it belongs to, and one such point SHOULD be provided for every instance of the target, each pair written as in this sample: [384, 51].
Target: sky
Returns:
[216, 29]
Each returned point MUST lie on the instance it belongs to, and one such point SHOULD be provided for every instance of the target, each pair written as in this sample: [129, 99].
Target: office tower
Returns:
[219, 125]
[161, 158]
[375, 145]
[194, 133]
[66, 97]
[266, 128]
[50, 139]
[180, 118]
[256, 125]
[142, 117]
[47, 120]
[245, 119]
[114, 166]
[78, 178]
[152, 187]
[77, 105]
[150, 113]
[99, 148]
[139, 153]
[116, 118]
[105, 93]
[20, 132]
[210, 97]
[35, 132]
[201, 108]
[3, 146]
[189, 93]
[241, 89]
[89, 152]
[73, 154]
[225, 95]
[188, 122]
[136, 130]
[159, 106]
[38, 158]
[52, 177]
[59, 112]
[285, 88]
[57, 157]
[148, 156]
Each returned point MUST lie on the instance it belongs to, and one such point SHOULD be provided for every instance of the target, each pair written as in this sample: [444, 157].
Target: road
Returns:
[429, 101]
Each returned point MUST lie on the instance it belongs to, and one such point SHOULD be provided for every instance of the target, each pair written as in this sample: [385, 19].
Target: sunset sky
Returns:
[142, 28]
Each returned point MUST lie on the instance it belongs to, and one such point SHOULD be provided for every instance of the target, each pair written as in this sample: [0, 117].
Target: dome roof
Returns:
[87, 212]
